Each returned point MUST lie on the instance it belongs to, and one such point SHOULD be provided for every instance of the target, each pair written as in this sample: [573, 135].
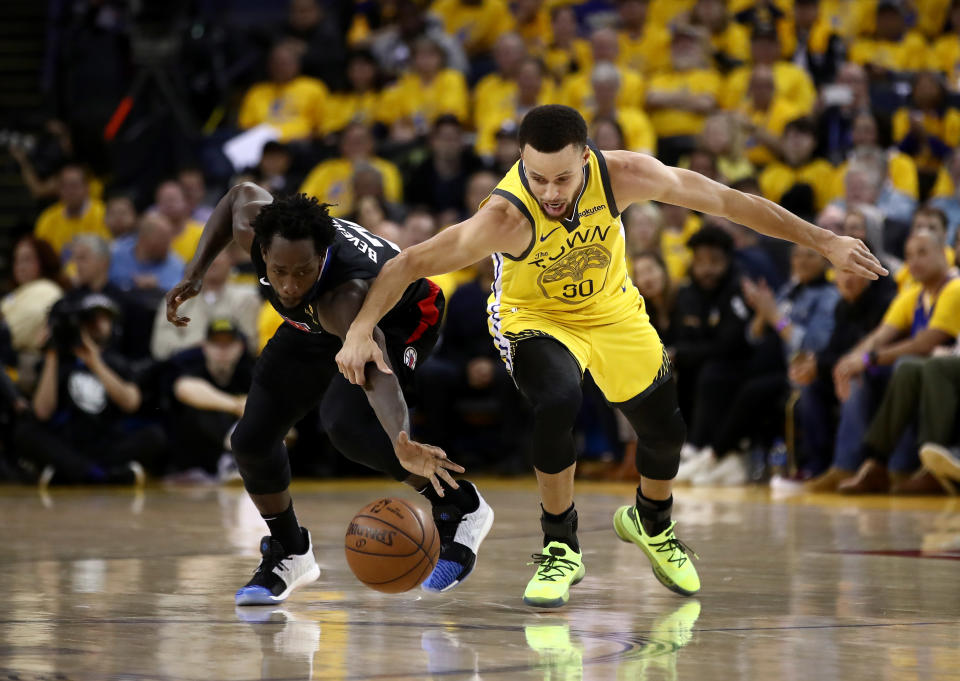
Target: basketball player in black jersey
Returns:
[315, 270]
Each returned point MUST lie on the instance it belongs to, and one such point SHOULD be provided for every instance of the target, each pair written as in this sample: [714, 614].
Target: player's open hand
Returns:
[851, 255]
[426, 461]
[355, 354]
[178, 295]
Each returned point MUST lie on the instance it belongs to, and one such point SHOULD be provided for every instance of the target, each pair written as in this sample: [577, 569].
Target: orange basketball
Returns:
[391, 545]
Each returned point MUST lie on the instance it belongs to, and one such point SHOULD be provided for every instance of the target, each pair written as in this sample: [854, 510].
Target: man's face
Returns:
[851, 286]
[709, 266]
[120, 216]
[925, 258]
[633, 13]
[99, 326]
[864, 131]
[193, 186]
[172, 202]
[222, 351]
[446, 142]
[860, 188]
[555, 178]
[90, 266]
[604, 44]
[762, 89]
[928, 221]
[284, 64]
[357, 143]
[73, 188]
[798, 146]
[292, 268]
[806, 265]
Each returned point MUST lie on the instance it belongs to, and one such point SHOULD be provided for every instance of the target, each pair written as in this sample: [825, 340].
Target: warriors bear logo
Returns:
[570, 279]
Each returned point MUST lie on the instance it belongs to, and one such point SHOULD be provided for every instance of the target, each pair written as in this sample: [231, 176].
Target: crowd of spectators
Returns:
[403, 115]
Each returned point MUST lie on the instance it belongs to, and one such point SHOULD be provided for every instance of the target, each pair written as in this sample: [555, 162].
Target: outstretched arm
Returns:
[383, 391]
[230, 220]
[497, 227]
[638, 177]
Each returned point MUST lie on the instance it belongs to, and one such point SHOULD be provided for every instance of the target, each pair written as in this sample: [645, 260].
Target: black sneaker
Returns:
[460, 537]
[279, 573]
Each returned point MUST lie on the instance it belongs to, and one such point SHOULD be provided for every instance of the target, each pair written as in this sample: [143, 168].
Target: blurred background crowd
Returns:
[125, 121]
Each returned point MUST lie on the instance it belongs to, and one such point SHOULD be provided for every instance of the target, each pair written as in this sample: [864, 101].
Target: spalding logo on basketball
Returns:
[391, 545]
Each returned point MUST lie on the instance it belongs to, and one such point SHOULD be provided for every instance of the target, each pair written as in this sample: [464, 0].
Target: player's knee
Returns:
[557, 407]
[658, 450]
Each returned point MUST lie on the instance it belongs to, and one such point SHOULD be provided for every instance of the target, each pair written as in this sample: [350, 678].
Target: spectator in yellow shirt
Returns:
[75, 213]
[475, 23]
[605, 47]
[532, 22]
[638, 134]
[644, 44]
[360, 102]
[764, 116]
[171, 202]
[935, 220]
[946, 50]
[891, 48]
[289, 102]
[531, 88]
[790, 80]
[680, 99]
[722, 137]
[729, 41]
[496, 91]
[799, 167]
[901, 170]
[929, 129]
[411, 105]
[812, 42]
[567, 53]
[331, 180]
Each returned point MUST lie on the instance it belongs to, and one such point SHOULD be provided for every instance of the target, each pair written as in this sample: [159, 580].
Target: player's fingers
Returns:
[382, 364]
[451, 466]
[437, 487]
[449, 480]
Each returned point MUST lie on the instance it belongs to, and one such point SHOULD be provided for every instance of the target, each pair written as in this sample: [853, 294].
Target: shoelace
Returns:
[673, 545]
[550, 568]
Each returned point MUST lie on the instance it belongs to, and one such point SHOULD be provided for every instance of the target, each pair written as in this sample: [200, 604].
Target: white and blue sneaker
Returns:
[279, 573]
[460, 537]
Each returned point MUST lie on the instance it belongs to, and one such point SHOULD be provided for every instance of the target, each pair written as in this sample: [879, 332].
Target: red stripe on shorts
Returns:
[429, 313]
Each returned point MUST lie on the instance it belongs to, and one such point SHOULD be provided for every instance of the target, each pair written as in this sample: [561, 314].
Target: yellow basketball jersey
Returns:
[574, 268]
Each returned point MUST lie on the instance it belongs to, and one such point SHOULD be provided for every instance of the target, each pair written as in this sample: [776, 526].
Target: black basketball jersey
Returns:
[354, 254]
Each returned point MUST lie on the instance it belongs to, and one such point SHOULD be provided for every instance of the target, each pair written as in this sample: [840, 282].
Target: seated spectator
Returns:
[476, 23]
[75, 212]
[653, 281]
[506, 152]
[812, 42]
[722, 137]
[428, 90]
[840, 103]
[679, 100]
[729, 40]
[367, 183]
[418, 226]
[679, 226]
[644, 44]
[799, 167]
[497, 91]
[948, 199]
[945, 55]
[866, 223]
[939, 392]
[709, 325]
[567, 53]
[532, 23]
[440, 180]
[901, 169]
[391, 44]
[171, 202]
[642, 224]
[918, 320]
[91, 261]
[607, 134]
[935, 220]
[764, 116]
[273, 173]
[789, 79]
[531, 88]
[799, 320]
[289, 102]
[194, 186]
[891, 48]
[605, 48]
[929, 129]
[330, 181]
[637, 129]
[210, 386]
[866, 183]
[38, 285]
[360, 101]
[860, 309]
[120, 216]
[480, 185]
[84, 393]
[217, 299]
[147, 261]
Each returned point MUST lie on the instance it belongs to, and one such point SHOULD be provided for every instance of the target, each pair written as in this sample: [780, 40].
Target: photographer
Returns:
[80, 403]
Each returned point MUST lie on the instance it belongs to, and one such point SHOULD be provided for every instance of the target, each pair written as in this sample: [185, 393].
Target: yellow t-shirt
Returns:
[572, 268]
[421, 102]
[561, 61]
[638, 132]
[946, 308]
[577, 90]
[476, 26]
[292, 108]
[789, 81]
[909, 54]
[185, 243]
[648, 54]
[342, 109]
[773, 120]
[538, 33]
[778, 177]
[330, 182]
[946, 127]
[673, 246]
[943, 186]
[492, 118]
[733, 42]
[931, 16]
[901, 171]
[491, 96]
[946, 56]
[904, 279]
[663, 12]
[850, 18]
[57, 229]
[817, 41]
[268, 321]
[670, 122]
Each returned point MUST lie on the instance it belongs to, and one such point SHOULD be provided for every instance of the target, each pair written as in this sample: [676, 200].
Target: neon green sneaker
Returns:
[561, 658]
[559, 569]
[668, 556]
[658, 658]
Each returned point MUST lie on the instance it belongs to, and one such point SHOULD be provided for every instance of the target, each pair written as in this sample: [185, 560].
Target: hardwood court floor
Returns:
[110, 585]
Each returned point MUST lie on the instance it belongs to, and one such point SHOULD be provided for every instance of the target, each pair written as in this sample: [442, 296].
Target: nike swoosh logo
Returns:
[263, 280]
[547, 235]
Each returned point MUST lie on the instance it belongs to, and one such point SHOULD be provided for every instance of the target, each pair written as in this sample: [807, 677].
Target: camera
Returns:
[65, 321]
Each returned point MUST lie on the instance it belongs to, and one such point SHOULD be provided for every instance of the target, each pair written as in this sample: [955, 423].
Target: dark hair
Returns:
[934, 212]
[47, 258]
[294, 218]
[446, 119]
[711, 237]
[803, 124]
[552, 127]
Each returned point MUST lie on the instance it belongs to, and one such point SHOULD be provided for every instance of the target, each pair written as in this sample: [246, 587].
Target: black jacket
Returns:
[710, 324]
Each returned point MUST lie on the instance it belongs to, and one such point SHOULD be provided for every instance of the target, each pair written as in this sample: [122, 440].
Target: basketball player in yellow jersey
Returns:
[562, 303]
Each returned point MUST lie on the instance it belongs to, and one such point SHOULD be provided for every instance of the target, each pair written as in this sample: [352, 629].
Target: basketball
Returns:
[391, 545]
